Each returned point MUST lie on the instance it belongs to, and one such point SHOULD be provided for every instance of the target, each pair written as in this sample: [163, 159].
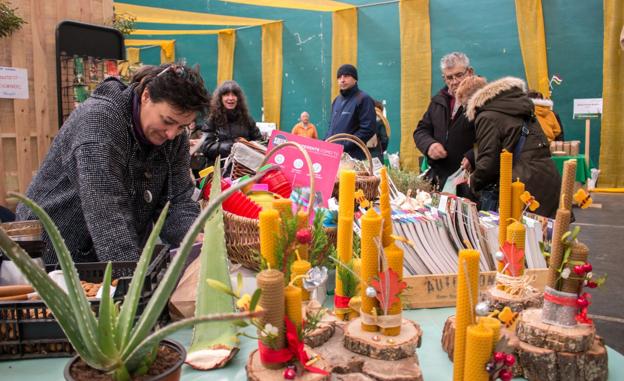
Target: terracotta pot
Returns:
[172, 374]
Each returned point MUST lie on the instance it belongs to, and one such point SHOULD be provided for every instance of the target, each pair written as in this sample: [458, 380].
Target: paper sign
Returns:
[13, 83]
[265, 128]
[325, 162]
[587, 108]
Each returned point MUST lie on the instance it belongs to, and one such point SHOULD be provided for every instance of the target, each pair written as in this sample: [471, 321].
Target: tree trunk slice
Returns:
[532, 330]
[323, 332]
[258, 372]
[499, 299]
[448, 337]
[385, 347]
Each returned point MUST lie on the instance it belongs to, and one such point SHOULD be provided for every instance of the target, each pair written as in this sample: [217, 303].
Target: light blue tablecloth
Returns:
[434, 362]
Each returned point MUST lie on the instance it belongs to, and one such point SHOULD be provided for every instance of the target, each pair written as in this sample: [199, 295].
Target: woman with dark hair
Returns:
[228, 122]
[119, 157]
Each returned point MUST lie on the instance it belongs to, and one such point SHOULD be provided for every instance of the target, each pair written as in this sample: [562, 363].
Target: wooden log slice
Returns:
[258, 372]
[378, 346]
[531, 330]
[499, 299]
[323, 332]
[448, 337]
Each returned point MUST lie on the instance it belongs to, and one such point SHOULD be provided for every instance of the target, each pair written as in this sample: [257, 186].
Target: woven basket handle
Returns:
[358, 142]
[308, 162]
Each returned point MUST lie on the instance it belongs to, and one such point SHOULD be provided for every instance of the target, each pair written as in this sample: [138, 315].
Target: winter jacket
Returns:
[104, 189]
[457, 135]
[499, 111]
[546, 118]
[219, 141]
[353, 112]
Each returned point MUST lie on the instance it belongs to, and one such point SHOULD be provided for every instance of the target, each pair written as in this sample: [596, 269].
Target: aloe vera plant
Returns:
[114, 342]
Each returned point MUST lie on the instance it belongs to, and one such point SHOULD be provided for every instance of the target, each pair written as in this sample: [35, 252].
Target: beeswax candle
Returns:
[346, 193]
[467, 297]
[303, 223]
[567, 183]
[271, 282]
[504, 197]
[579, 253]
[269, 228]
[371, 229]
[516, 233]
[293, 305]
[479, 340]
[493, 324]
[517, 188]
[562, 224]
[283, 206]
[386, 210]
[300, 267]
[344, 242]
[395, 261]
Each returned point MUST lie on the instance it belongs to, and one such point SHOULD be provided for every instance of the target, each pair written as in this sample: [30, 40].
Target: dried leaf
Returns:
[394, 287]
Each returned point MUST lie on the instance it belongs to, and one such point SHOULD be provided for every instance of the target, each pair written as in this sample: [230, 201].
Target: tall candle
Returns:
[567, 184]
[504, 197]
[293, 305]
[386, 210]
[479, 340]
[271, 284]
[303, 223]
[394, 256]
[283, 206]
[562, 224]
[516, 233]
[300, 267]
[371, 230]
[269, 228]
[467, 297]
[517, 188]
[344, 242]
[346, 193]
[493, 324]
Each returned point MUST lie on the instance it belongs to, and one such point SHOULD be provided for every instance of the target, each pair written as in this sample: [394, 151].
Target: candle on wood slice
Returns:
[293, 305]
[517, 188]
[479, 340]
[269, 228]
[493, 324]
[271, 284]
[516, 233]
[562, 224]
[371, 230]
[467, 297]
[300, 267]
[395, 261]
[386, 209]
[504, 197]
[283, 206]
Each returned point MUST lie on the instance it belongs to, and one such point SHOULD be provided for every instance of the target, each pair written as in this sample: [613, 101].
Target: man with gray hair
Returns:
[444, 134]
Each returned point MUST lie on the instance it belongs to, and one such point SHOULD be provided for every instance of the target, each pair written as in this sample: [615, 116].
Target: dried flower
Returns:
[565, 274]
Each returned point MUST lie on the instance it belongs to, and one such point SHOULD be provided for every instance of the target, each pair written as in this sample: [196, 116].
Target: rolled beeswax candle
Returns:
[504, 198]
[386, 210]
[395, 262]
[293, 305]
[579, 253]
[269, 228]
[517, 188]
[371, 229]
[478, 352]
[516, 233]
[346, 193]
[467, 296]
[567, 184]
[562, 224]
[271, 282]
[283, 206]
[300, 267]
[493, 324]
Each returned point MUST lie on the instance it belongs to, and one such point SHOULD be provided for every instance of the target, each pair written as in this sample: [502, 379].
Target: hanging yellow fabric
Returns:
[167, 48]
[317, 5]
[415, 74]
[171, 16]
[272, 71]
[133, 55]
[611, 132]
[344, 42]
[225, 62]
[163, 32]
[530, 20]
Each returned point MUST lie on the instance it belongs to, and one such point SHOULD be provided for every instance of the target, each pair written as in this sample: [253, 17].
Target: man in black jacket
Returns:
[353, 111]
[444, 134]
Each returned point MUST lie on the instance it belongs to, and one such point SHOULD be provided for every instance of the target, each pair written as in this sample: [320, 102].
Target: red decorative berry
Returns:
[592, 284]
[578, 269]
[510, 360]
[499, 357]
[582, 302]
[304, 236]
[587, 267]
[505, 375]
[290, 373]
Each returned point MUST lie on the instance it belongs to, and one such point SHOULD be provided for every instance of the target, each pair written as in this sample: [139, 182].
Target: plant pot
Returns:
[559, 308]
[171, 374]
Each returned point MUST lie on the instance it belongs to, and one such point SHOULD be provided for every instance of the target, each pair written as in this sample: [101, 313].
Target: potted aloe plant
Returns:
[112, 342]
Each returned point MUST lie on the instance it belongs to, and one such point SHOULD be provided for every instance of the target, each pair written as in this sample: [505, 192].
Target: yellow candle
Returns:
[395, 262]
[516, 233]
[300, 267]
[346, 193]
[271, 283]
[283, 206]
[517, 188]
[479, 340]
[504, 197]
[493, 324]
[344, 249]
[303, 223]
[386, 210]
[562, 224]
[467, 297]
[293, 305]
[269, 229]
[371, 230]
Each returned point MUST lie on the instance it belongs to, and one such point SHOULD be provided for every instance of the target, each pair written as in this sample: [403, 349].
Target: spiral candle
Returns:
[371, 230]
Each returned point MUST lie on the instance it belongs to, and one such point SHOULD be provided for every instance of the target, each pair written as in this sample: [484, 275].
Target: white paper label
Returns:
[13, 83]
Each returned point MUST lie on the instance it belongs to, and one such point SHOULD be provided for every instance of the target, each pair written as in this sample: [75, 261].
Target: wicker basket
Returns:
[242, 237]
[243, 149]
[366, 181]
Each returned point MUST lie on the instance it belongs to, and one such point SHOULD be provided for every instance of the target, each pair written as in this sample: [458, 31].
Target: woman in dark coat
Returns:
[499, 111]
[229, 120]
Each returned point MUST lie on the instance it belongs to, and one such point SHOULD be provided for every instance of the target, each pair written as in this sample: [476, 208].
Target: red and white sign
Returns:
[13, 83]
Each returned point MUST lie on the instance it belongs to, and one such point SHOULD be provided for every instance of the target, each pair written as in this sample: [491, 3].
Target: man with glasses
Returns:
[444, 135]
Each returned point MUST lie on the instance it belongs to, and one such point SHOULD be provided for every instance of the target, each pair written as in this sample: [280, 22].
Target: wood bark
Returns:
[378, 346]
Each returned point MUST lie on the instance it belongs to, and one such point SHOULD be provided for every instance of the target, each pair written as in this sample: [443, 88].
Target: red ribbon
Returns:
[564, 301]
[341, 301]
[295, 349]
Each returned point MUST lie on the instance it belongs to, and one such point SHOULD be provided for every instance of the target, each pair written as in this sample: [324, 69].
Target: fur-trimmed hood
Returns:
[490, 91]
[542, 102]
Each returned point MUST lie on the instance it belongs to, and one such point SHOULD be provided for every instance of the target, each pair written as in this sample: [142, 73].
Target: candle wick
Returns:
[297, 254]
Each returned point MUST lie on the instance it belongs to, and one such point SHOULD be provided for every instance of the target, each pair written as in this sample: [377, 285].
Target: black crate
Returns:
[28, 329]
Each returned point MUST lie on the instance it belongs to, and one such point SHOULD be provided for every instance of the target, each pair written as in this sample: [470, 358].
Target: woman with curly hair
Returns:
[228, 122]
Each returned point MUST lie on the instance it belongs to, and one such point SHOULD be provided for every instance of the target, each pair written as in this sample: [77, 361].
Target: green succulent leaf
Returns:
[106, 320]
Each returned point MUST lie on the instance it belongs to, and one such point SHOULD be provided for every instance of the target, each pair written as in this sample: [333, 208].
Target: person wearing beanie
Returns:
[353, 111]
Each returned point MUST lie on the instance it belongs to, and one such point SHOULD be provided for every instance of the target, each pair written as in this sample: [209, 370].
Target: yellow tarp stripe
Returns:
[167, 48]
[611, 131]
[272, 66]
[344, 42]
[171, 16]
[530, 20]
[226, 43]
[163, 32]
[317, 5]
[415, 33]
[133, 55]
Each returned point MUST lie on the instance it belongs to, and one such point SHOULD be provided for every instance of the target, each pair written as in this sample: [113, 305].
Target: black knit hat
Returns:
[347, 69]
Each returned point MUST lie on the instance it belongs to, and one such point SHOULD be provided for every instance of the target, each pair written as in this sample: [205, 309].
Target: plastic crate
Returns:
[28, 329]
